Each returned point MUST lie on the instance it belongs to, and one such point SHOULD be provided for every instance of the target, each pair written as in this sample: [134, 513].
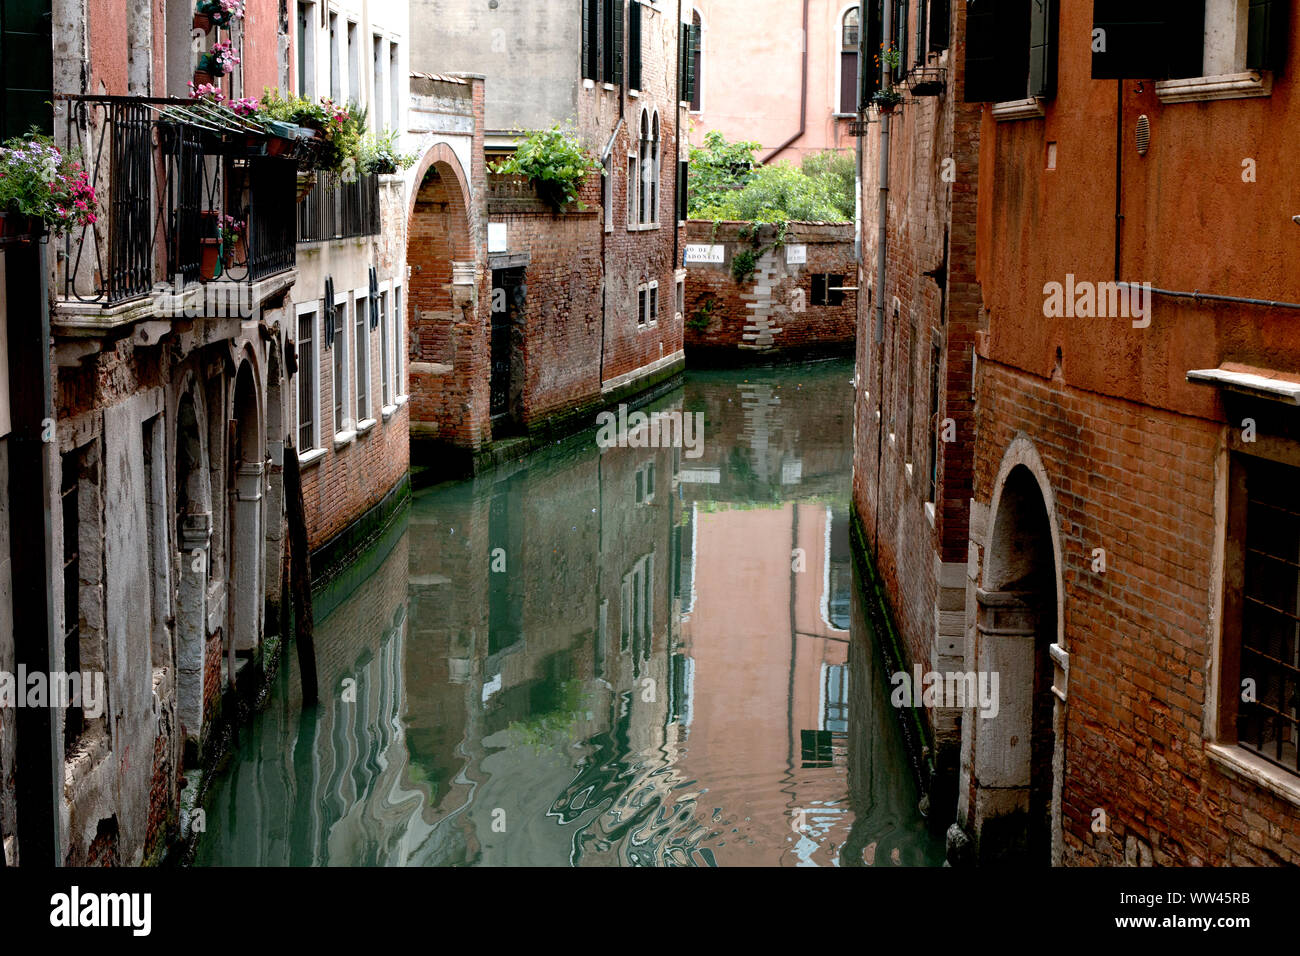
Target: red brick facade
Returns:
[782, 310]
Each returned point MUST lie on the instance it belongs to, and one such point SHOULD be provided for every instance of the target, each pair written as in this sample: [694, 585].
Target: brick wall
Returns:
[772, 313]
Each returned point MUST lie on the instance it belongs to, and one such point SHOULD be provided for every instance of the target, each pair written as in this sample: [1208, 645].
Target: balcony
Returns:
[335, 209]
[165, 173]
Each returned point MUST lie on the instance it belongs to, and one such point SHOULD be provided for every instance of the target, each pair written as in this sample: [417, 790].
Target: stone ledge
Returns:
[1228, 86]
[1030, 108]
[1244, 765]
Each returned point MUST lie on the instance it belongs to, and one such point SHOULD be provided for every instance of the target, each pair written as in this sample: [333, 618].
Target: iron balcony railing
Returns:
[335, 209]
[164, 175]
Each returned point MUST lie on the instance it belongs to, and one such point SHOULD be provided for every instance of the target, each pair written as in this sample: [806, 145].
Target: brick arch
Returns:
[438, 234]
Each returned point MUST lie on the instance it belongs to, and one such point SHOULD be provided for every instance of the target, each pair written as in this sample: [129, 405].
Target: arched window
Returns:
[849, 28]
[643, 213]
[654, 169]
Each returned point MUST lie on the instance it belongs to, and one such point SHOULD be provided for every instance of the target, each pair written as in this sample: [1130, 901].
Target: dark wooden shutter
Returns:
[940, 25]
[634, 46]
[982, 51]
[819, 288]
[617, 75]
[1043, 17]
[26, 68]
[900, 38]
[1184, 38]
[683, 190]
[329, 312]
[922, 31]
[374, 299]
[588, 54]
[1266, 45]
[872, 27]
[1135, 36]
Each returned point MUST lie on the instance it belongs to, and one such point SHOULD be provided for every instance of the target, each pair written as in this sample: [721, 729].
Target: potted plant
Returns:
[886, 100]
[554, 162]
[42, 188]
[219, 60]
[379, 154]
[210, 13]
[335, 131]
[233, 235]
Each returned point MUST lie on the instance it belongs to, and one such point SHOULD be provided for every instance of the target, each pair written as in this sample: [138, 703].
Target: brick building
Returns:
[799, 302]
[541, 317]
[917, 317]
[1108, 530]
[349, 415]
[144, 392]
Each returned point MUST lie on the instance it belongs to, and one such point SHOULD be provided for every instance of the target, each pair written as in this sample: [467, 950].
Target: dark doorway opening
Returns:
[509, 294]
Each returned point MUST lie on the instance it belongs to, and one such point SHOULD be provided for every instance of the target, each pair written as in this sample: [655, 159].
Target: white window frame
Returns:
[379, 67]
[633, 200]
[343, 319]
[356, 88]
[338, 91]
[316, 306]
[642, 304]
[656, 178]
[652, 303]
[387, 389]
[679, 294]
[839, 58]
[1224, 72]
[359, 296]
[306, 58]
[397, 305]
[394, 84]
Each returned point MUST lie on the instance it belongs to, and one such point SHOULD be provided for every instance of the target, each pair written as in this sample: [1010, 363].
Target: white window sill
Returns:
[309, 458]
[1031, 108]
[588, 84]
[400, 400]
[643, 227]
[608, 87]
[388, 411]
[1229, 86]
[907, 469]
[342, 439]
[635, 94]
[1245, 765]
[845, 115]
[929, 512]
[364, 426]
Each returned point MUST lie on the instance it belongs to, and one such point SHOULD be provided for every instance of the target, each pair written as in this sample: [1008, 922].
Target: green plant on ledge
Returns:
[700, 318]
[554, 161]
[743, 265]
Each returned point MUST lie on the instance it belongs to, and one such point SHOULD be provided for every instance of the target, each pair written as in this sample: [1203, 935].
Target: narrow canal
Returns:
[637, 656]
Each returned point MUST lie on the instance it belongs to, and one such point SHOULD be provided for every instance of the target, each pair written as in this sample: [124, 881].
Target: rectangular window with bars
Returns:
[385, 350]
[1262, 610]
[340, 380]
[362, 344]
[308, 379]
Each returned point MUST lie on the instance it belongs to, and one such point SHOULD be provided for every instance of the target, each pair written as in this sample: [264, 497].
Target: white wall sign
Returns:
[706, 253]
[796, 255]
[497, 237]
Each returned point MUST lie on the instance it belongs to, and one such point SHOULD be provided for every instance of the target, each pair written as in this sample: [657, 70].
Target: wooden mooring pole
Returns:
[300, 574]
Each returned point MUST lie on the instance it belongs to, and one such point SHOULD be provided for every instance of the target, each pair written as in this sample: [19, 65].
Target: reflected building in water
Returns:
[612, 656]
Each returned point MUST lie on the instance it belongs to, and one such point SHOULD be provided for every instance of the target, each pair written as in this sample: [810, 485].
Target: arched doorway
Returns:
[245, 518]
[1014, 787]
[445, 347]
[193, 537]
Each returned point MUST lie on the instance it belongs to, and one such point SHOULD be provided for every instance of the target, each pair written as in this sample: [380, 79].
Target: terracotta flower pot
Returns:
[210, 261]
[202, 22]
[14, 225]
[201, 77]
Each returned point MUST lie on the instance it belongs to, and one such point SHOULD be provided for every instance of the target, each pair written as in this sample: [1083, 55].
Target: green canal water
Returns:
[600, 656]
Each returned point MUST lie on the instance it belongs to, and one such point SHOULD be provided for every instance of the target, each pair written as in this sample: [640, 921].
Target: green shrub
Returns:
[554, 161]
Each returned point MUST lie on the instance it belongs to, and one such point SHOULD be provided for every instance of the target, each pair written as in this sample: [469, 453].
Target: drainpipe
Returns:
[677, 155]
[1119, 172]
[803, 94]
[886, 82]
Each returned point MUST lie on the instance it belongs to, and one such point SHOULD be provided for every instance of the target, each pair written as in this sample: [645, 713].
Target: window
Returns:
[361, 311]
[631, 191]
[634, 46]
[641, 301]
[356, 88]
[308, 379]
[395, 87]
[850, 26]
[1262, 611]
[340, 381]
[816, 750]
[307, 50]
[336, 72]
[652, 312]
[827, 289]
[654, 169]
[644, 483]
[645, 168]
[683, 190]
[1011, 50]
[680, 294]
[377, 54]
[1152, 39]
[590, 39]
[911, 391]
[399, 341]
[385, 351]
[643, 213]
[602, 40]
[689, 74]
[936, 367]
[607, 193]
[83, 639]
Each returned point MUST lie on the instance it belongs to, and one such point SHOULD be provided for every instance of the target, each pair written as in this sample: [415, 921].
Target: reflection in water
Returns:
[600, 657]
